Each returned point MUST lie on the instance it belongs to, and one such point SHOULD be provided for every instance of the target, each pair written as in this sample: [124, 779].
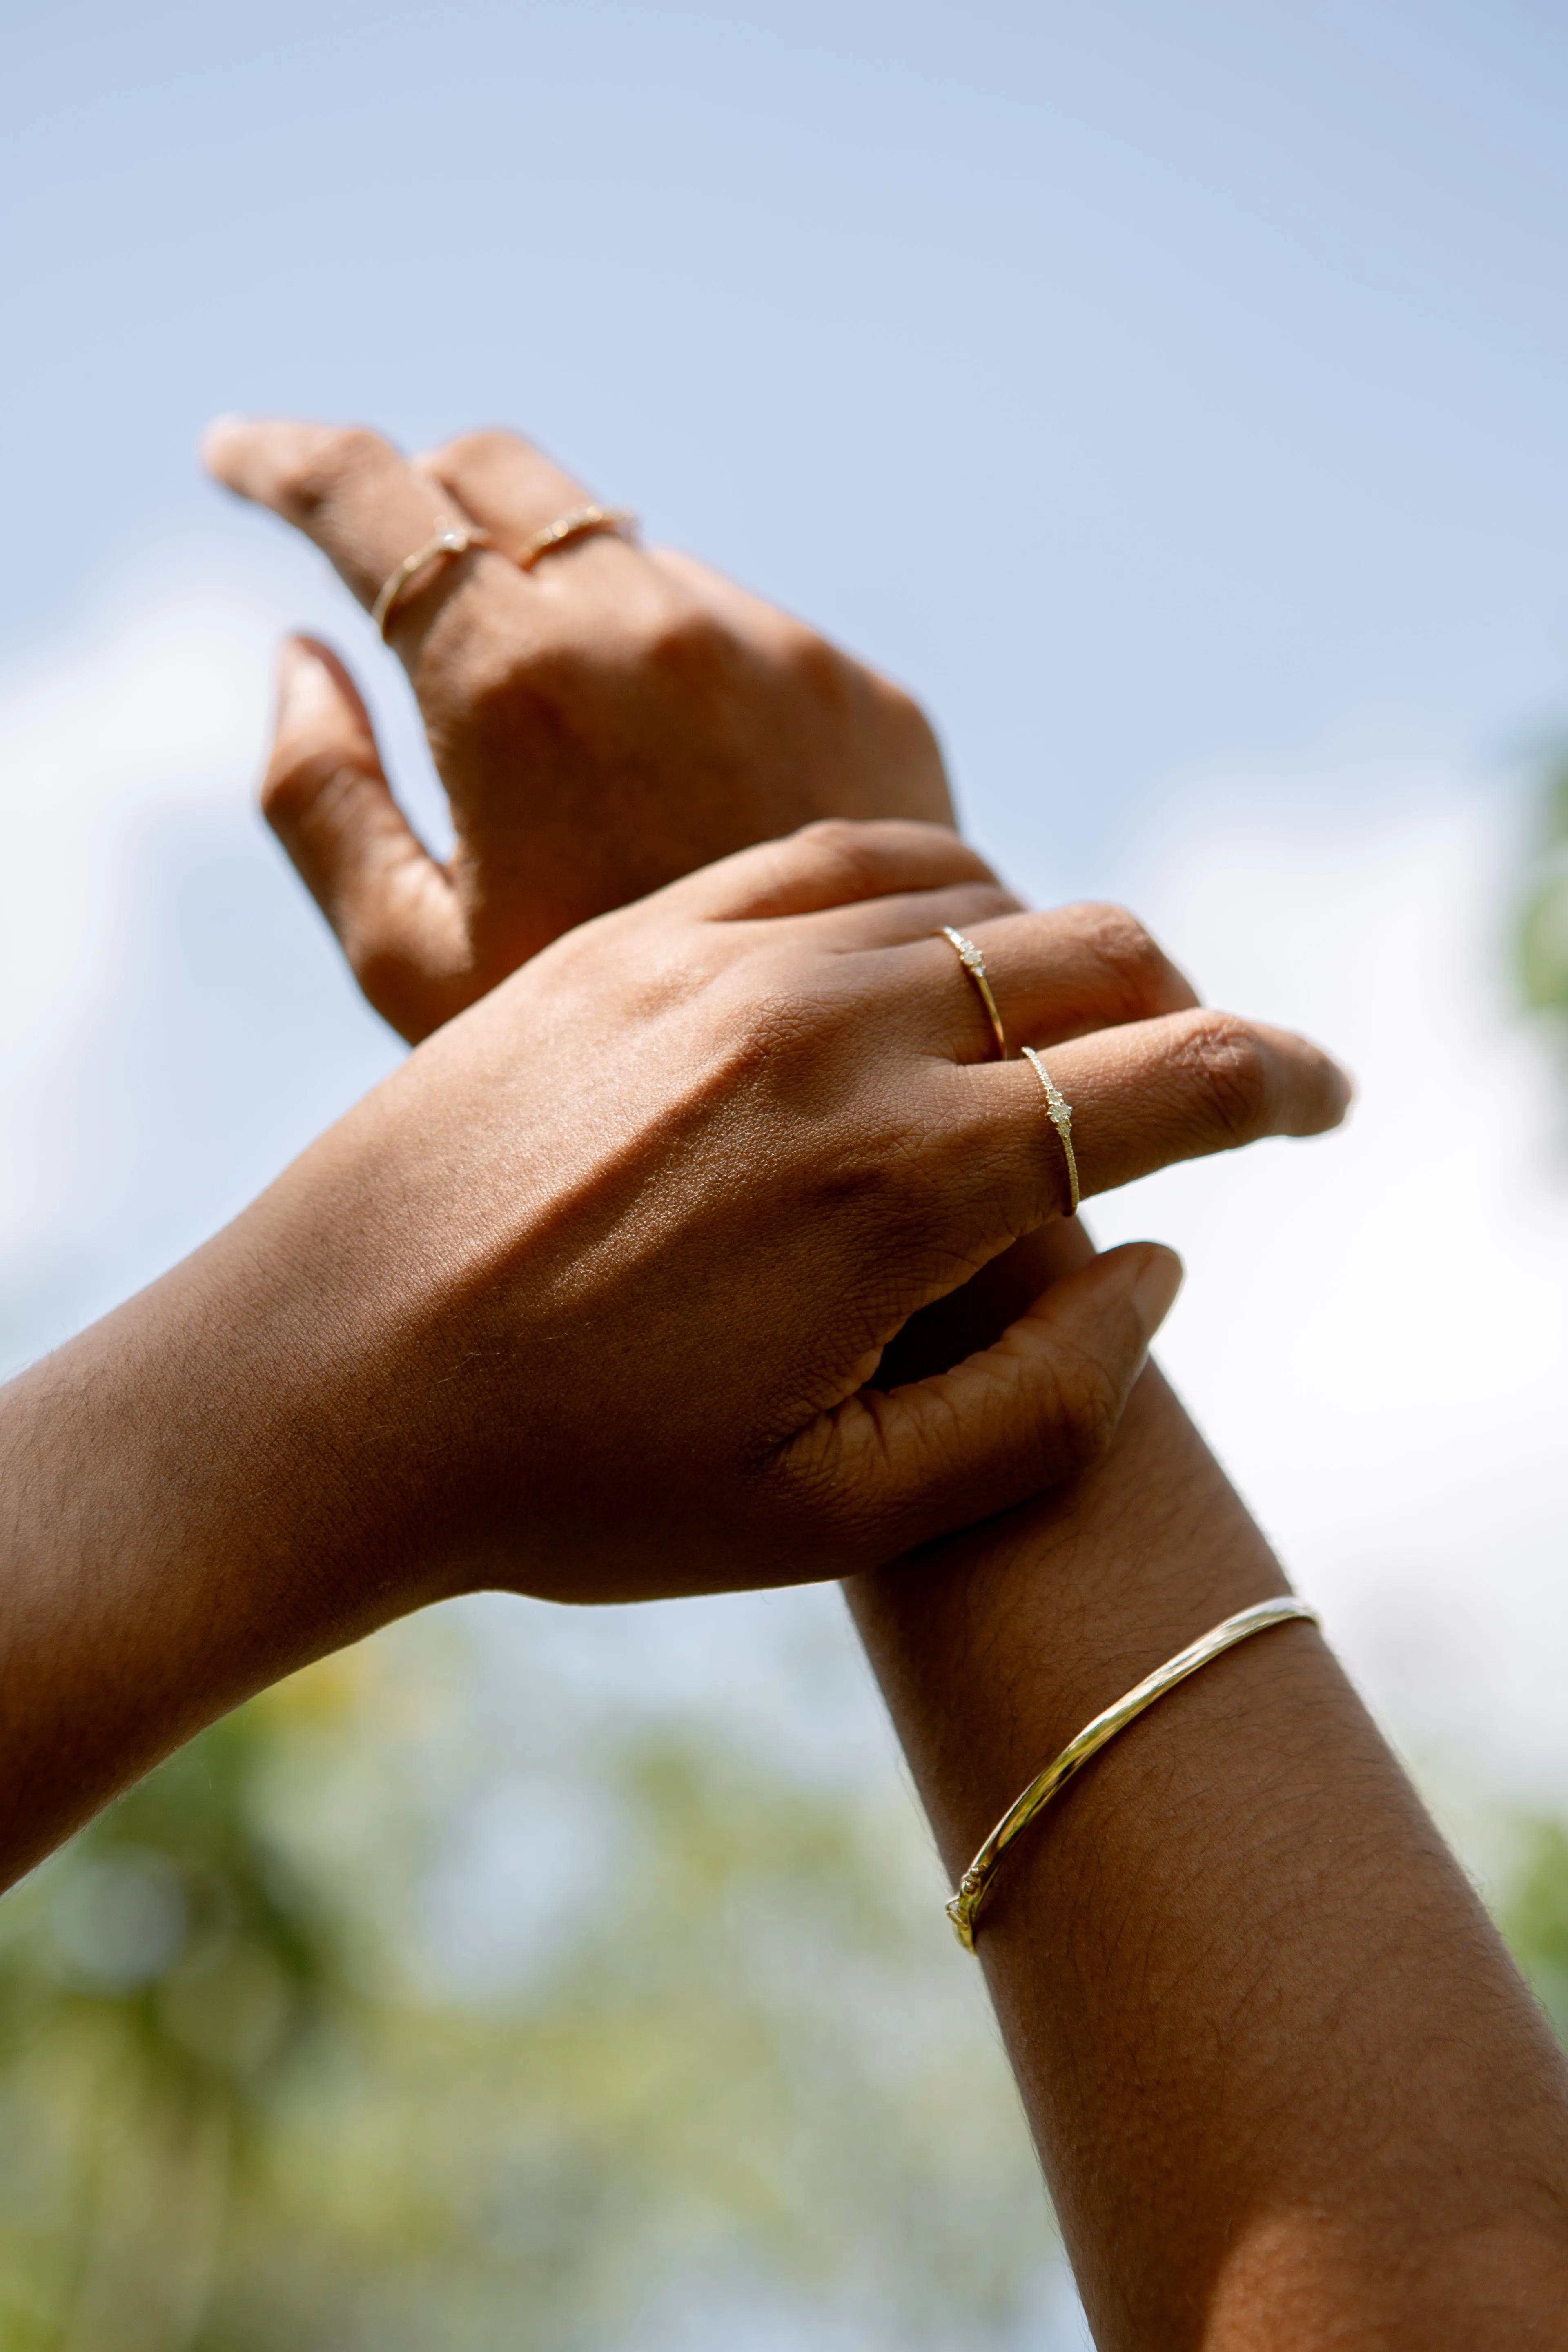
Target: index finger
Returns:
[516, 492]
[360, 501]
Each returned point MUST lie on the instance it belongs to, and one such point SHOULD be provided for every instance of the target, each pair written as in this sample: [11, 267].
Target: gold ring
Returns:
[581, 523]
[973, 964]
[452, 539]
[1059, 1111]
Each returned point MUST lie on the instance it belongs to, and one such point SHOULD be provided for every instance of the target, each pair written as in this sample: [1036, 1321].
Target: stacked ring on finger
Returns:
[973, 964]
[1057, 1107]
[452, 539]
[1058, 1110]
[456, 538]
[582, 523]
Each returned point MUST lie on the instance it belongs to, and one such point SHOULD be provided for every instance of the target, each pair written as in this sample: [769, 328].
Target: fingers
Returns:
[364, 506]
[1142, 1096]
[890, 1471]
[1053, 976]
[906, 916]
[326, 797]
[515, 490]
[832, 862]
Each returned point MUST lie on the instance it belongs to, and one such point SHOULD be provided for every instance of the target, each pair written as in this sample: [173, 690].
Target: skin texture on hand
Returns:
[1288, 2091]
[587, 1299]
[648, 715]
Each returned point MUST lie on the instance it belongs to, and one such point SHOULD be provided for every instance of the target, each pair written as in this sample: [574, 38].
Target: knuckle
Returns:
[319, 472]
[849, 856]
[492, 446]
[1225, 1061]
[379, 963]
[1130, 952]
[1089, 1409]
[687, 644]
[819, 666]
[392, 976]
[298, 779]
[498, 681]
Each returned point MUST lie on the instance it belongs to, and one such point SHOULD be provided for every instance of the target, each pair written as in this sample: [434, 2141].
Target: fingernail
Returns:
[305, 685]
[1155, 1286]
[215, 440]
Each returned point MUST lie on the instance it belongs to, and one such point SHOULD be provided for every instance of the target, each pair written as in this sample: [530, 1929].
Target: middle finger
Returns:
[1054, 976]
[362, 502]
[515, 491]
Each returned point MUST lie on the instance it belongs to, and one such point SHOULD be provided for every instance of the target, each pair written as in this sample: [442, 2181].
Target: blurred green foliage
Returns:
[1533, 1915]
[1542, 932]
[739, 2087]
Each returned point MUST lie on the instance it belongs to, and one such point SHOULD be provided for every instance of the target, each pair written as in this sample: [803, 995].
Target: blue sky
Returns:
[1164, 383]
[1173, 394]
[1172, 391]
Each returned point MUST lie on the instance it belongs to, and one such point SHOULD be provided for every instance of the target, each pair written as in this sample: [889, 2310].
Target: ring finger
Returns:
[1051, 976]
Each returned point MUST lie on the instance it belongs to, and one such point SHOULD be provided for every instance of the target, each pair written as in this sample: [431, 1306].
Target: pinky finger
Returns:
[325, 795]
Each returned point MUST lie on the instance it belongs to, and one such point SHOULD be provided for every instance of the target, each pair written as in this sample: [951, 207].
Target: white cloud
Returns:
[143, 730]
[151, 714]
[1373, 1329]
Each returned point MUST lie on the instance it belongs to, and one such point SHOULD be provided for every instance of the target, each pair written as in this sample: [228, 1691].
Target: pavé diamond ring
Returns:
[973, 964]
[1060, 1111]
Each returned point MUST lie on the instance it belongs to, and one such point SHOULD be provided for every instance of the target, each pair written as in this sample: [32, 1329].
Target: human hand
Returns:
[601, 1274]
[612, 719]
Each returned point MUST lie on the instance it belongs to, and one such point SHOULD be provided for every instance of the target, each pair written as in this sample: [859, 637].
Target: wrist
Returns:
[997, 1647]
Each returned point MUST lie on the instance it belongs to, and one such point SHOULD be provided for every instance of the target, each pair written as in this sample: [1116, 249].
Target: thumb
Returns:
[890, 1471]
[325, 795]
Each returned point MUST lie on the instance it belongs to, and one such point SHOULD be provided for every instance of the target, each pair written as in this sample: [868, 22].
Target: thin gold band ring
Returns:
[582, 522]
[1059, 1112]
[452, 539]
[457, 537]
[973, 964]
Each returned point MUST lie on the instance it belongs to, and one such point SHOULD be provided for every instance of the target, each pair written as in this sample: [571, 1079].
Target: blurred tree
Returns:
[1543, 936]
[1533, 1915]
[740, 2088]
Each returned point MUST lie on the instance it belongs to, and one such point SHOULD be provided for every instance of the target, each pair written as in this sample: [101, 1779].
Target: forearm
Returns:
[1286, 2086]
[177, 1528]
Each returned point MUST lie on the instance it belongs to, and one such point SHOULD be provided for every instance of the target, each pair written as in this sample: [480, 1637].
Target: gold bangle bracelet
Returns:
[976, 1879]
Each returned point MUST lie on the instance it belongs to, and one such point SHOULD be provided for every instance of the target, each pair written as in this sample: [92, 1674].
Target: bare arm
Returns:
[1286, 2083]
[1288, 2088]
[581, 1302]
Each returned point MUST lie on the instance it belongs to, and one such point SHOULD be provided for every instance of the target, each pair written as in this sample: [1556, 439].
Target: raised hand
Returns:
[585, 1299]
[629, 1237]
[603, 723]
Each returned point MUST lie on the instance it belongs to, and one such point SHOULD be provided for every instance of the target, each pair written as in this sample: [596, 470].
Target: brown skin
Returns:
[579, 683]
[1286, 2086]
[584, 1299]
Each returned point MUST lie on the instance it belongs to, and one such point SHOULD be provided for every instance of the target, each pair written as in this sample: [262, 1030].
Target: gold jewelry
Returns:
[1060, 1113]
[581, 523]
[976, 1879]
[973, 964]
[452, 539]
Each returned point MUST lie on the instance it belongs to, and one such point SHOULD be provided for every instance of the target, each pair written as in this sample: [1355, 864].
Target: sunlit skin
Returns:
[590, 1298]
[1286, 2086]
